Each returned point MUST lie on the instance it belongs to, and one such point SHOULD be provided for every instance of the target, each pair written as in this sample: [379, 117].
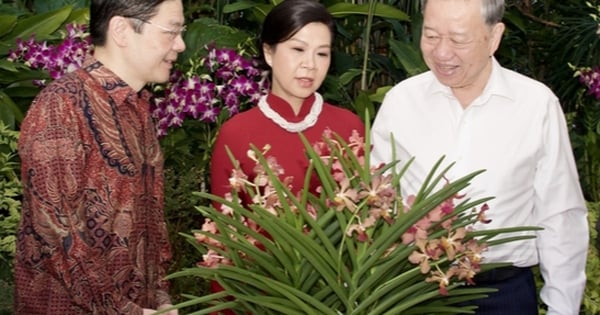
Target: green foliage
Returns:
[6, 299]
[582, 34]
[591, 298]
[14, 7]
[10, 192]
[545, 40]
[41, 6]
[203, 32]
[578, 32]
[590, 304]
[11, 189]
[16, 88]
[181, 216]
[585, 137]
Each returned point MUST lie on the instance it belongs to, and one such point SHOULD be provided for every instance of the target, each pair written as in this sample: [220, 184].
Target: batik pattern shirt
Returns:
[92, 238]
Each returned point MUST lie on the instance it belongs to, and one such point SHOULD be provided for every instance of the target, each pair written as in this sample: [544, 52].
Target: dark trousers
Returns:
[516, 295]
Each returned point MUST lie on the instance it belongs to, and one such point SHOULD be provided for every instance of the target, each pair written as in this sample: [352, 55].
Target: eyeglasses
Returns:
[173, 33]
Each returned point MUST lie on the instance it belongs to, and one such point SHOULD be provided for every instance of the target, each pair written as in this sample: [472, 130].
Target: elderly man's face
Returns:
[457, 43]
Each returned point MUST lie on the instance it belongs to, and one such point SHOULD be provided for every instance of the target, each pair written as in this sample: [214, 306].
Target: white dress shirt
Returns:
[516, 131]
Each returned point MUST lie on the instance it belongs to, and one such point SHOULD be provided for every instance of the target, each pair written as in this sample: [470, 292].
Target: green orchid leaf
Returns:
[343, 9]
[324, 253]
[40, 25]
[10, 113]
[380, 94]
[8, 65]
[7, 23]
[79, 16]
[409, 57]
[204, 32]
[260, 10]
[349, 76]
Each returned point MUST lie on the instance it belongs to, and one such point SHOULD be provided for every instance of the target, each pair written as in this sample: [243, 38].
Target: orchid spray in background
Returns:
[586, 127]
[55, 59]
[211, 91]
[200, 96]
[590, 77]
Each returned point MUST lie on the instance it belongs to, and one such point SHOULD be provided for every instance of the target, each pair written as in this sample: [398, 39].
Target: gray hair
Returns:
[491, 10]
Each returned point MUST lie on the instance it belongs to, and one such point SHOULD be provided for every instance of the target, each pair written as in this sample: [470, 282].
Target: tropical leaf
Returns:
[344, 9]
[7, 23]
[204, 32]
[408, 56]
[40, 25]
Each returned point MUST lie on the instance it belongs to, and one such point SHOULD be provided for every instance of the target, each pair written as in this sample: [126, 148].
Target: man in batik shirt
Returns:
[92, 238]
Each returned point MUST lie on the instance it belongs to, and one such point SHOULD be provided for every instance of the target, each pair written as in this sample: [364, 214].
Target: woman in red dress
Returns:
[295, 42]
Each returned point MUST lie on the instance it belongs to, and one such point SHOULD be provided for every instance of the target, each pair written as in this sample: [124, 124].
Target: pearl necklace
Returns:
[307, 122]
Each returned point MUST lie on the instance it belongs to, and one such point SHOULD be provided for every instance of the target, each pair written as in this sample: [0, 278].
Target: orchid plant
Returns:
[355, 246]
